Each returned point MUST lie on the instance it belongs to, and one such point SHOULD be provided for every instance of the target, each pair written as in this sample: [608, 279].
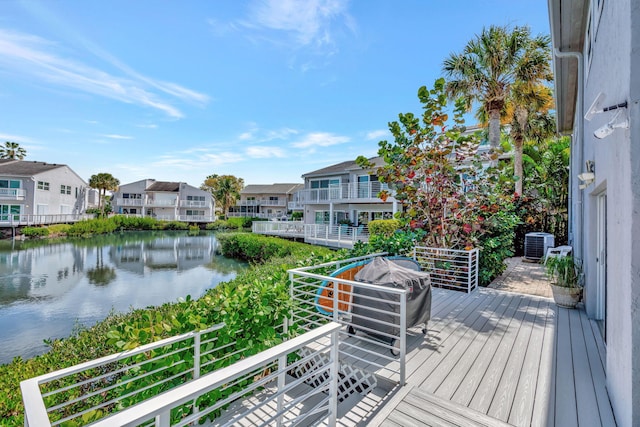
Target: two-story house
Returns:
[31, 188]
[596, 54]
[344, 192]
[171, 201]
[266, 201]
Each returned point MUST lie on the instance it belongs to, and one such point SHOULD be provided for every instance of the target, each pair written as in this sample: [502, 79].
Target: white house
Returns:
[344, 192]
[53, 192]
[265, 201]
[171, 201]
[597, 63]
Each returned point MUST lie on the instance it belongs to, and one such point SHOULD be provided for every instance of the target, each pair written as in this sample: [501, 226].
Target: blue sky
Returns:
[262, 89]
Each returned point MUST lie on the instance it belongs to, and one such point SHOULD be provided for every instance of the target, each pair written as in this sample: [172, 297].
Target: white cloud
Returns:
[13, 138]
[320, 139]
[376, 134]
[149, 126]
[245, 136]
[32, 56]
[263, 152]
[116, 136]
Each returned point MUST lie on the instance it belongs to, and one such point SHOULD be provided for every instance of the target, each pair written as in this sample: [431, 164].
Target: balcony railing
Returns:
[9, 220]
[12, 193]
[449, 268]
[128, 202]
[196, 218]
[278, 202]
[344, 192]
[177, 372]
[160, 202]
[249, 203]
[337, 236]
[194, 204]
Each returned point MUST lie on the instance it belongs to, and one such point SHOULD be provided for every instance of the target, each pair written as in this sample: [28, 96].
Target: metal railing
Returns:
[201, 391]
[196, 218]
[128, 202]
[160, 202]
[194, 203]
[384, 351]
[337, 236]
[13, 220]
[449, 268]
[349, 191]
[12, 193]
[279, 228]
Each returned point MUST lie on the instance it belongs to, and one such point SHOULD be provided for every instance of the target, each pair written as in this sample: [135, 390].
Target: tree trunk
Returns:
[517, 164]
[494, 130]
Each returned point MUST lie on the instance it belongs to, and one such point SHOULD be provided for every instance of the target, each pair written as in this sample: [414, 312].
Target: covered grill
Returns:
[377, 312]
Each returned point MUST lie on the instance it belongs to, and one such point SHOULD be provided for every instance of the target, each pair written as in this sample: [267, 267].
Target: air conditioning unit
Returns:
[536, 244]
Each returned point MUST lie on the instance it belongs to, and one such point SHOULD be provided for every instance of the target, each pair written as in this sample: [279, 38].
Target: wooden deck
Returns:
[493, 357]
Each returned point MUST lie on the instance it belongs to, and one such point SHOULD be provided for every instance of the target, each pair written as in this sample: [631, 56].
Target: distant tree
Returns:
[103, 182]
[489, 65]
[12, 150]
[224, 188]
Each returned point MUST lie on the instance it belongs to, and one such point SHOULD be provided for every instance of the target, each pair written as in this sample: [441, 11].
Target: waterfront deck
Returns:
[497, 357]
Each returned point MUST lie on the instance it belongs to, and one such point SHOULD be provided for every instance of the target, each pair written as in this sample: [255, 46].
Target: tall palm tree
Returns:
[12, 150]
[103, 182]
[224, 188]
[528, 114]
[491, 64]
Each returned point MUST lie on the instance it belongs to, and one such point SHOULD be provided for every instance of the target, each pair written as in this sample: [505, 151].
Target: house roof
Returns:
[26, 168]
[343, 167]
[568, 19]
[286, 188]
[173, 187]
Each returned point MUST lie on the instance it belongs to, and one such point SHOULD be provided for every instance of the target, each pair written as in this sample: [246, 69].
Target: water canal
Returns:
[48, 288]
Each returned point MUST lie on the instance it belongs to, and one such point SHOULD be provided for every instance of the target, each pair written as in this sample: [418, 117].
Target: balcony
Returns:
[364, 192]
[160, 202]
[193, 204]
[12, 193]
[128, 202]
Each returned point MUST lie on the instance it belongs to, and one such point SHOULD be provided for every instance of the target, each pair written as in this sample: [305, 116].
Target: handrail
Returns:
[162, 404]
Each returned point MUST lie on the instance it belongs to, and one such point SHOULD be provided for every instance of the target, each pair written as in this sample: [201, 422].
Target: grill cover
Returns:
[370, 306]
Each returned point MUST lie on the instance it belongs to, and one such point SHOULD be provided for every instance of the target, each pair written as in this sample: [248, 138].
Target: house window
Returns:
[325, 183]
[65, 189]
[196, 198]
[43, 185]
[9, 183]
[194, 212]
[8, 212]
[131, 196]
[322, 217]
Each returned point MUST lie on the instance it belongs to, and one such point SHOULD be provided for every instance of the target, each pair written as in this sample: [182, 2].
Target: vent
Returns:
[536, 244]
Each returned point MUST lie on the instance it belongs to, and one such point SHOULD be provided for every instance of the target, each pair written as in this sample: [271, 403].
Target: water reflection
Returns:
[46, 287]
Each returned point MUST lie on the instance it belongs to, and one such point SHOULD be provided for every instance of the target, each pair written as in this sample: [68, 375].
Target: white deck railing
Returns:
[12, 193]
[337, 236]
[350, 191]
[13, 220]
[449, 268]
[121, 389]
[377, 354]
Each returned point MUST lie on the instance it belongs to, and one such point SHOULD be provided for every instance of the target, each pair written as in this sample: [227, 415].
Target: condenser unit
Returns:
[536, 244]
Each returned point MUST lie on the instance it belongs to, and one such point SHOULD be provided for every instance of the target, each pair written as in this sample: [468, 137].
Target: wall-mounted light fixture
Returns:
[587, 178]
[613, 124]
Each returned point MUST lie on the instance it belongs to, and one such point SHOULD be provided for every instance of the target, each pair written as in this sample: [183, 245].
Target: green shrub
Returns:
[58, 229]
[383, 227]
[220, 224]
[32, 232]
[240, 222]
[174, 225]
[257, 248]
[253, 307]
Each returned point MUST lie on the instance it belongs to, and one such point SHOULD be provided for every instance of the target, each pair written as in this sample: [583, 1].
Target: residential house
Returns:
[596, 51]
[266, 201]
[171, 201]
[344, 192]
[30, 188]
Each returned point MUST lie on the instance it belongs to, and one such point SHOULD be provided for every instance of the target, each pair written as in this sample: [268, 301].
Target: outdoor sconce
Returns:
[613, 124]
[587, 177]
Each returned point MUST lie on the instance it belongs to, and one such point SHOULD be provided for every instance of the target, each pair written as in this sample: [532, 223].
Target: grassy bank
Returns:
[255, 302]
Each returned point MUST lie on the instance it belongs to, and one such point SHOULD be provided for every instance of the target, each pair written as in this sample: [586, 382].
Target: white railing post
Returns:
[196, 355]
[282, 370]
[469, 271]
[163, 419]
[333, 385]
[403, 337]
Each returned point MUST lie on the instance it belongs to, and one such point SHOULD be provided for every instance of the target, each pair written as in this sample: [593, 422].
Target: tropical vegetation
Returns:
[253, 306]
[103, 182]
[12, 150]
[492, 66]
[225, 190]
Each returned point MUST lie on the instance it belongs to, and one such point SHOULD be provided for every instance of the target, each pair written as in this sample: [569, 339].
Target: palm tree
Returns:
[528, 115]
[491, 64]
[103, 182]
[12, 150]
[224, 188]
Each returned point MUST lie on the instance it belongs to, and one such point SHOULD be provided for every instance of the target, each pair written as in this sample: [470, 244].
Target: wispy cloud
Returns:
[263, 152]
[13, 138]
[32, 56]
[376, 134]
[320, 139]
[116, 136]
[148, 126]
